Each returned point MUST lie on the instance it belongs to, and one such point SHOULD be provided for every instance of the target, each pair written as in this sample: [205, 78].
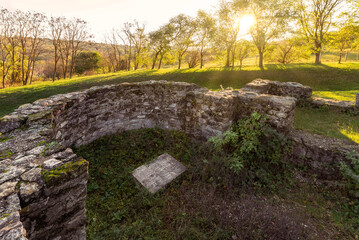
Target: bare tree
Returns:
[114, 51]
[79, 34]
[56, 32]
[5, 33]
[315, 17]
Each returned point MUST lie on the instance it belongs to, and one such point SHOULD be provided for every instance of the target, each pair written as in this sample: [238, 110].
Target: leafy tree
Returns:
[344, 38]
[315, 18]
[228, 29]
[86, 61]
[290, 50]
[160, 43]
[183, 28]
[206, 26]
[272, 18]
[244, 49]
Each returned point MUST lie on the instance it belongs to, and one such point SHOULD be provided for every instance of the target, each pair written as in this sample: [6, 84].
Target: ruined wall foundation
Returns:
[43, 183]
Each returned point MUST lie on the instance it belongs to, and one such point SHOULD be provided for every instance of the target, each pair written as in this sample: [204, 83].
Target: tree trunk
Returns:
[240, 64]
[346, 55]
[201, 59]
[160, 63]
[340, 58]
[317, 58]
[179, 61]
[55, 69]
[260, 60]
[154, 60]
[228, 54]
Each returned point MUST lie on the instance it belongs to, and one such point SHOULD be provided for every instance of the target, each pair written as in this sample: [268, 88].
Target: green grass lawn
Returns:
[335, 81]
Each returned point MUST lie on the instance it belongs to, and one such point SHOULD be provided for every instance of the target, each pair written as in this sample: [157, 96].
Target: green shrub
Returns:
[254, 151]
[351, 173]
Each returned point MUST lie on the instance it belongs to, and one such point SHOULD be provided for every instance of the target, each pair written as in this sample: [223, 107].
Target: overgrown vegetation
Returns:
[216, 198]
[254, 152]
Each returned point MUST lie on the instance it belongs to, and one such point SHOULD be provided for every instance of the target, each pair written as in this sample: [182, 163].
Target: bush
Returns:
[254, 151]
[351, 174]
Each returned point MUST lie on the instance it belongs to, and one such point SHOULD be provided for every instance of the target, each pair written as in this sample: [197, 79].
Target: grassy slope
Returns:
[337, 81]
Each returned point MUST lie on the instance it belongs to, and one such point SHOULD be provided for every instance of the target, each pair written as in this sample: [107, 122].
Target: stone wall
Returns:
[43, 183]
[320, 155]
[182, 106]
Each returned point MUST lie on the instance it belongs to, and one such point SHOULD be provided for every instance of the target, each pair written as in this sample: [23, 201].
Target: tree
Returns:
[228, 30]
[290, 50]
[56, 32]
[272, 18]
[86, 61]
[344, 38]
[79, 35]
[315, 17]
[183, 30]
[160, 43]
[206, 26]
[244, 49]
[5, 33]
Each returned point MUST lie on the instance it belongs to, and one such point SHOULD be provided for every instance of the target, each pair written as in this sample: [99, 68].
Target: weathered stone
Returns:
[11, 228]
[291, 89]
[320, 154]
[52, 163]
[9, 123]
[28, 190]
[158, 173]
[36, 151]
[332, 104]
[9, 205]
[11, 173]
[7, 188]
[34, 175]
[25, 162]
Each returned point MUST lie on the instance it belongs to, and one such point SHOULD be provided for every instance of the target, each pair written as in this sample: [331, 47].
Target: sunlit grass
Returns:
[326, 122]
[351, 134]
[337, 95]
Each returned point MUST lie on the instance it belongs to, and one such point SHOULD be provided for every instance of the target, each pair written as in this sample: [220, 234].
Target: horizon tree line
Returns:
[283, 31]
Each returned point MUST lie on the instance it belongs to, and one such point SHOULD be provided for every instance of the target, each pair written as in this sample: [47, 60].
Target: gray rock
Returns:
[34, 175]
[158, 173]
[7, 188]
[52, 163]
[28, 190]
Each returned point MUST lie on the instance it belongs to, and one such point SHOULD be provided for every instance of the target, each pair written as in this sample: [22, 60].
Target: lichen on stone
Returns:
[64, 172]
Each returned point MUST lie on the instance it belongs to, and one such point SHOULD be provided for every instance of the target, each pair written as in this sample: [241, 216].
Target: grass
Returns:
[326, 122]
[197, 206]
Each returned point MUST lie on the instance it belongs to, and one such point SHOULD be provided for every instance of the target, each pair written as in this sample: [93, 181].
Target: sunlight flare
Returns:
[245, 23]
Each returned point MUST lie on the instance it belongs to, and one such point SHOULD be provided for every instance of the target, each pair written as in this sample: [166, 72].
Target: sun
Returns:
[245, 23]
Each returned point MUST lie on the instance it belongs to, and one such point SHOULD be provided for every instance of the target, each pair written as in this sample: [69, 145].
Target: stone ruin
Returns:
[43, 183]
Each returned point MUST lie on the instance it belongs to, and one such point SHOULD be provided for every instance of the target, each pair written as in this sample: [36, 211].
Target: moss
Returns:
[4, 139]
[65, 172]
[5, 154]
[4, 216]
[38, 116]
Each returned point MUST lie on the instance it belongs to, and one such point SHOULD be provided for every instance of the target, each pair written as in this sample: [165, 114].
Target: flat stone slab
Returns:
[156, 174]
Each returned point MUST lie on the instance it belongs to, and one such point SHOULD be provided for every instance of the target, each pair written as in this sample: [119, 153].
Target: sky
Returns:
[103, 15]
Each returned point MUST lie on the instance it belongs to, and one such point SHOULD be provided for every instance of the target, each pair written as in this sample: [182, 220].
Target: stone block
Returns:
[158, 173]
